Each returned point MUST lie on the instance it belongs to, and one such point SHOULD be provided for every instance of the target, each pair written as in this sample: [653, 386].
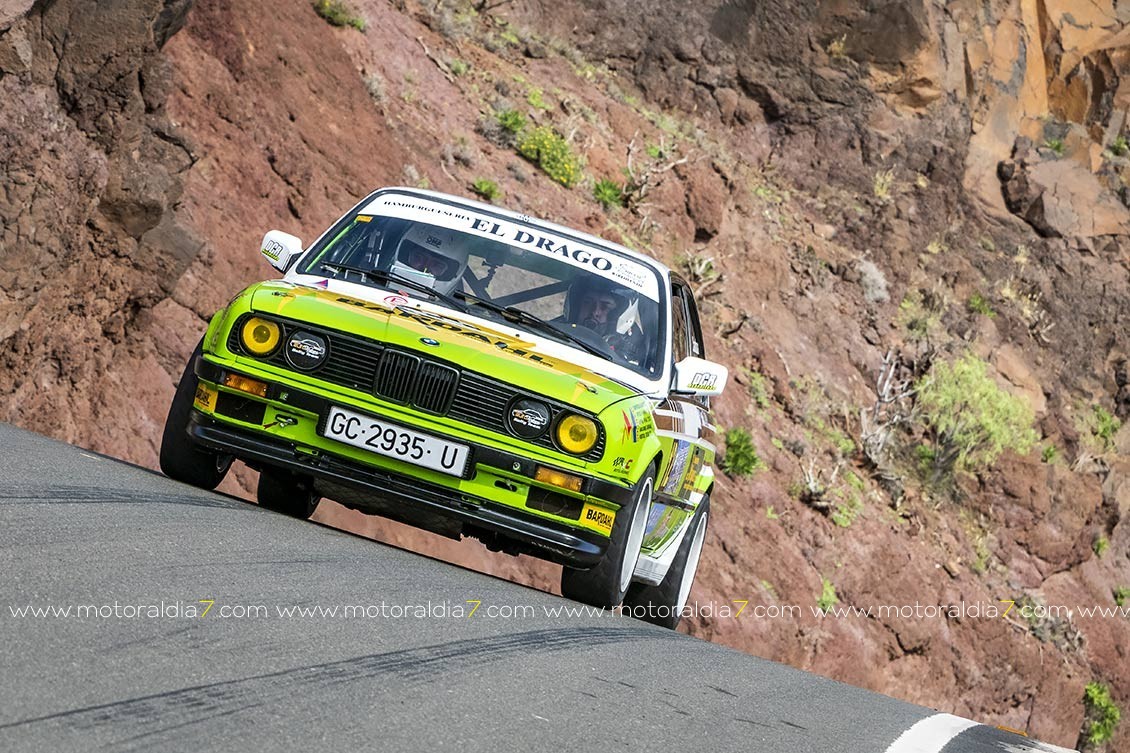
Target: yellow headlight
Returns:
[260, 336]
[577, 434]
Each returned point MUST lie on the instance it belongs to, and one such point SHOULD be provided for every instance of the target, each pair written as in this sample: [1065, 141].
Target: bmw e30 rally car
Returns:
[473, 372]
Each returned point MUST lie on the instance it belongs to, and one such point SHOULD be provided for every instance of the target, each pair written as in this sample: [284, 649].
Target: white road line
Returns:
[931, 734]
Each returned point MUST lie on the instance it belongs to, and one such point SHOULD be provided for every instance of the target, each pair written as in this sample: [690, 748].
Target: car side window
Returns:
[680, 323]
[694, 328]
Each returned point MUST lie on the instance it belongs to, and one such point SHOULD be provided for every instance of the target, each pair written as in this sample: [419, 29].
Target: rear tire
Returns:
[181, 458]
[661, 605]
[287, 493]
[605, 584]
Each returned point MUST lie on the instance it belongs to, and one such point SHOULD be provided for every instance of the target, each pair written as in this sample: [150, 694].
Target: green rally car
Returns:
[472, 372]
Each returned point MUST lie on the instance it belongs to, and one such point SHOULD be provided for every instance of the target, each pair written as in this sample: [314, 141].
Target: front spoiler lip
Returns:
[562, 547]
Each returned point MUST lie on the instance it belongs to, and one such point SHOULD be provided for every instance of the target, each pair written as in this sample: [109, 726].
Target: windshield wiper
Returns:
[391, 277]
[518, 316]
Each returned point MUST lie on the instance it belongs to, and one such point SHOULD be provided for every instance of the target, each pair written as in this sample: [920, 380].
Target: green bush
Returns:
[1121, 594]
[828, 597]
[972, 420]
[537, 99]
[759, 392]
[548, 150]
[339, 13]
[459, 67]
[511, 121]
[1100, 545]
[1105, 427]
[1102, 714]
[978, 304]
[487, 189]
[609, 193]
[848, 510]
[741, 456]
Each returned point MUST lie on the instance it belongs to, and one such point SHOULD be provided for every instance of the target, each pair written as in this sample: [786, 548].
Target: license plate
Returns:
[396, 441]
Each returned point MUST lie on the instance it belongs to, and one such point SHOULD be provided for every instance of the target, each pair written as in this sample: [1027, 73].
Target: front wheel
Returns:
[287, 493]
[605, 584]
[181, 458]
[663, 604]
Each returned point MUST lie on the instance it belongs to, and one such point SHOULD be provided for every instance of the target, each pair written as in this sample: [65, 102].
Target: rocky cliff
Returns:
[856, 188]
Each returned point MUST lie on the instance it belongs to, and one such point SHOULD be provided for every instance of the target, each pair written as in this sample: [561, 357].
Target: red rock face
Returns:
[786, 142]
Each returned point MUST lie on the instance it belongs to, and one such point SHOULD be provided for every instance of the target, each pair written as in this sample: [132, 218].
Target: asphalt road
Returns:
[78, 529]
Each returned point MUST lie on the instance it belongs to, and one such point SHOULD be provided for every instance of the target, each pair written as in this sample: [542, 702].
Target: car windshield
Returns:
[586, 295]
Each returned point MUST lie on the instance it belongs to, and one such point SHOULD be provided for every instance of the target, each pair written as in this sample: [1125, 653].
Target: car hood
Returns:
[489, 348]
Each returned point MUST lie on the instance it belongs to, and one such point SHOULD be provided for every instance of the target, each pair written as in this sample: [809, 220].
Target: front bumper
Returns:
[405, 497]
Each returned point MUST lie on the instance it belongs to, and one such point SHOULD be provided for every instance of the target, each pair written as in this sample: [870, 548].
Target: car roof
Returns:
[519, 217]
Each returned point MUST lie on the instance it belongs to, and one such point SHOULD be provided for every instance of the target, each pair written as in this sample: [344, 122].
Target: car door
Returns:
[685, 429]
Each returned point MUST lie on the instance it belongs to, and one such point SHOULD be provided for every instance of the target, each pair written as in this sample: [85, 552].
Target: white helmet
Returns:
[435, 252]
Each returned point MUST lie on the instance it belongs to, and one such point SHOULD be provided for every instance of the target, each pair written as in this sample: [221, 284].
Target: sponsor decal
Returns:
[205, 398]
[663, 523]
[447, 325]
[597, 518]
[272, 249]
[322, 283]
[638, 423]
[396, 300]
[529, 418]
[305, 350]
[704, 380]
[622, 464]
[677, 468]
[691, 477]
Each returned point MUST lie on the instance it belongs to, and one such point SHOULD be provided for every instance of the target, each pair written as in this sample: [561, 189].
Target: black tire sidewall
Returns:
[181, 459]
[666, 594]
[600, 585]
[286, 493]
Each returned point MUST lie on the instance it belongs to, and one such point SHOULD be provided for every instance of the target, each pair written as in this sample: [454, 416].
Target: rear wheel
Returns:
[181, 458]
[662, 605]
[605, 584]
[287, 493]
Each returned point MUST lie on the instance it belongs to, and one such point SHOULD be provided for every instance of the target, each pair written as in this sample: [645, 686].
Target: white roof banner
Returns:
[527, 236]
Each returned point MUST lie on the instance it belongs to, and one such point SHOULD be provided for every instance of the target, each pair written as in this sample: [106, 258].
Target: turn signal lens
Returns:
[557, 478]
[246, 384]
[576, 434]
[260, 336]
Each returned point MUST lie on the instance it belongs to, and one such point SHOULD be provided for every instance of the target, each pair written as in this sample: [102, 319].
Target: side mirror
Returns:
[280, 249]
[697, 376]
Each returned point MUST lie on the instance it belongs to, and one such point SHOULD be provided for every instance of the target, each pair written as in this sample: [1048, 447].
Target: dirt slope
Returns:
[855, 173]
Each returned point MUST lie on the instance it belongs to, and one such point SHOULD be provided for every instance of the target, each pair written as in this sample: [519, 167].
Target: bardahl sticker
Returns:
[531, 237]
[601, 519]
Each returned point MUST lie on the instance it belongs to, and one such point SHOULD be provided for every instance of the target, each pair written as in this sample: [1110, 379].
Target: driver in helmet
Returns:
[608, 309]
[433, 255]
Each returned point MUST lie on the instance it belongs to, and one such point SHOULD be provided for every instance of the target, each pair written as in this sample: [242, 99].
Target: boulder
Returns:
[1061, 198]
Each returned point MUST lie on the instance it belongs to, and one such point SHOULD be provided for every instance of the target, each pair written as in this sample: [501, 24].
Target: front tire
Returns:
[181, 458]
[662, 605]
[605, 584]
[287, 493]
